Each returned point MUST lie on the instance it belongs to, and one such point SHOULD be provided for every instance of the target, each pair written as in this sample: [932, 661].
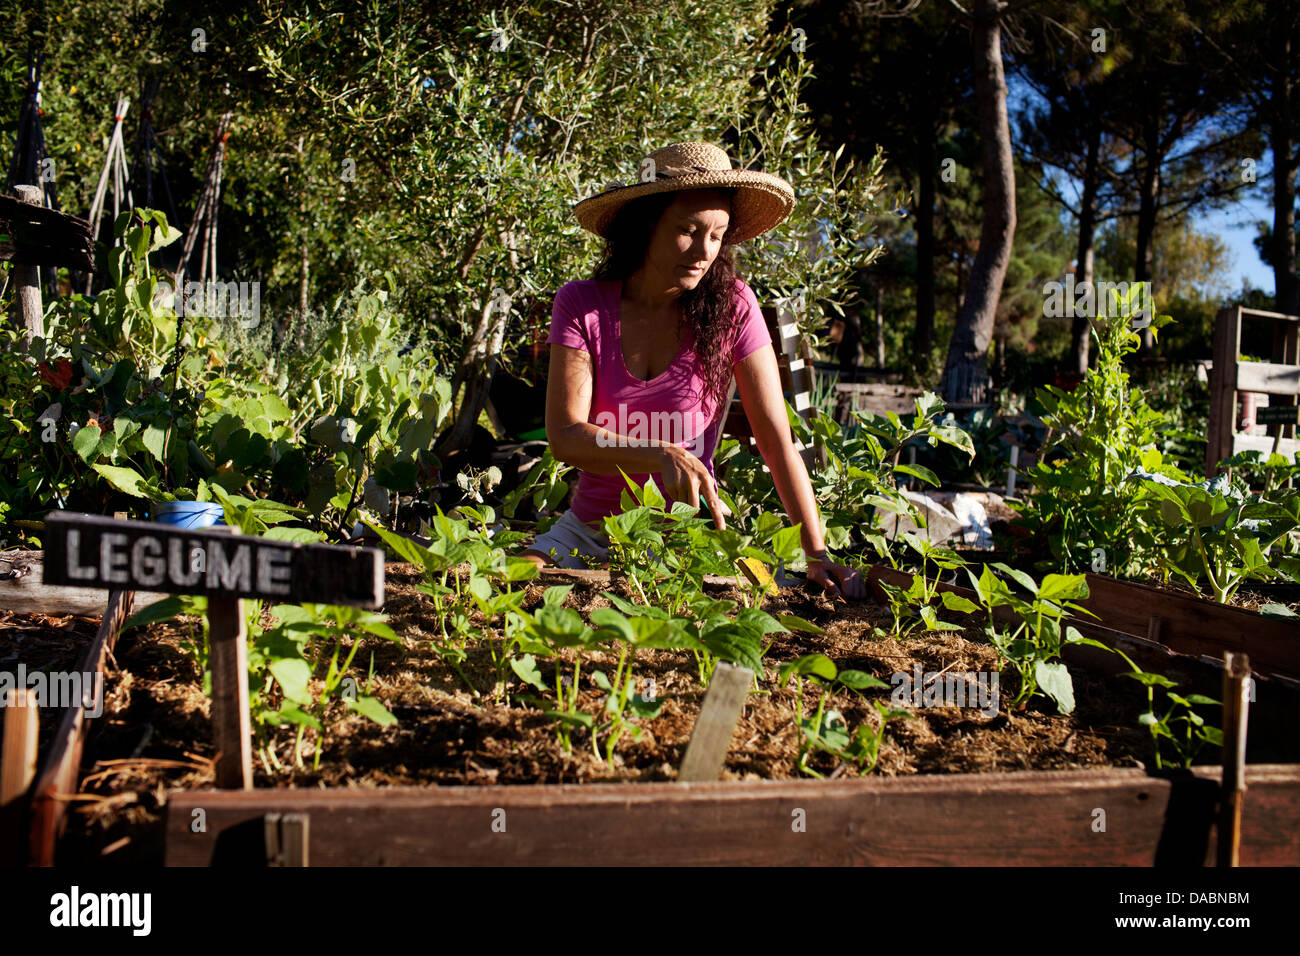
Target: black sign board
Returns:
[93, 551]
[1276, 414]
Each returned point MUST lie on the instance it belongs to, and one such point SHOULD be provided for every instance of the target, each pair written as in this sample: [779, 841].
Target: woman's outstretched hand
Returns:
[836, 579]
[686, 479]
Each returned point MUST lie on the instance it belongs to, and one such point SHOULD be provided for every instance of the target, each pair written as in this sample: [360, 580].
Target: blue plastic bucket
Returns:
[189, 514]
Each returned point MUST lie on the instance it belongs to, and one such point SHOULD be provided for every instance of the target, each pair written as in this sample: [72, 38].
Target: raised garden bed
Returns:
[1031, 779]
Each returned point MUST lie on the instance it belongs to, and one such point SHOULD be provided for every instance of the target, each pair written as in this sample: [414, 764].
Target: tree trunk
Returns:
[1148, 205]
[923, 338]
[965, 377]
[1079, 339]
[1282, 142]
[880, 326]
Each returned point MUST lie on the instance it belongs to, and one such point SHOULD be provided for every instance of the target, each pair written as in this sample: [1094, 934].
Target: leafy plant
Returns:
[1180, 727]
[860, 481]
[825, 729]
[1099, 434]
[1220, 531]
[1032, 646]
[915, 603]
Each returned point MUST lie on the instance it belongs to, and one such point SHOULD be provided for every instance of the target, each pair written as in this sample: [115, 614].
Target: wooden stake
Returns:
[21, 720]
[231, 727]
[27, 278]
[711, 738]
[17, 770]
[1236, 709]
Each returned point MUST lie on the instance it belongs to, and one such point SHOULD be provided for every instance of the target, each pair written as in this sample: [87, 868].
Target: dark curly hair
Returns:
[708, 310]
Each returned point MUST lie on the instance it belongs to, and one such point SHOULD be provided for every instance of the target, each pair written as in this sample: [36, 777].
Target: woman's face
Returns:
[687, 238]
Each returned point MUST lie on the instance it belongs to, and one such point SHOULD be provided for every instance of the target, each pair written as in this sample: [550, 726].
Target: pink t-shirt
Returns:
[669, 407]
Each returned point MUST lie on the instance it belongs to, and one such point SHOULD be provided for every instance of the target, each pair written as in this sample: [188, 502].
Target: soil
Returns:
[40, 642]
[155, 733]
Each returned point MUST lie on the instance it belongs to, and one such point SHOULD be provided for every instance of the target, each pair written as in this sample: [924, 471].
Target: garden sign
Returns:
[93, 551]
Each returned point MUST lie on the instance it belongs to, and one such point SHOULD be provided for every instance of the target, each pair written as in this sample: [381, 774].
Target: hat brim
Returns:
[761, 202]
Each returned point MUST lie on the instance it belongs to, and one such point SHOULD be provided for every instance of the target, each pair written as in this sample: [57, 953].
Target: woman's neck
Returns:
[641, 290]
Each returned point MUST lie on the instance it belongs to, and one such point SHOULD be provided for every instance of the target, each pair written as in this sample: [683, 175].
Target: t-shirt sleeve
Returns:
[753, 333]
[566, 320]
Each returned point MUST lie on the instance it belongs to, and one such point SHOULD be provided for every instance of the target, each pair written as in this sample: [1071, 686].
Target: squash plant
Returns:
[1218, 530]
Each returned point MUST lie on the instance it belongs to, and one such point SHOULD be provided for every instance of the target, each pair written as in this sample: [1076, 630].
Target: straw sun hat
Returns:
[761, 200]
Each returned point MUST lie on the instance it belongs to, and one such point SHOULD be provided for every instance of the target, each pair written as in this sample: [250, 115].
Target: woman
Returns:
[642, 355]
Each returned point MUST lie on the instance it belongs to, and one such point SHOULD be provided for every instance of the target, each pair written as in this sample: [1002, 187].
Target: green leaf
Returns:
[1021, 577]
[601, 680]
[154, 439]
[297, 535]
[643, 707]
[556, 593]
[1054, 680]
[955, 602]
[164, 610]
[126, 480]
[1277, 611]
[1063, 587]
[736, 645]
[526, 669]
[860, 680]
[785, 544]
[372, 708]
[796, 623]
[919, 471]
[817, 665]
[86, 442]
[292, 674]
[610, 620]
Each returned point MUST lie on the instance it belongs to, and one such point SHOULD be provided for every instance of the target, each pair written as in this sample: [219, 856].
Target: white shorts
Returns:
[567, 534]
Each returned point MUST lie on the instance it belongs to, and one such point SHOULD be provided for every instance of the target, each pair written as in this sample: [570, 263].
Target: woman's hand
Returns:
[686, 479]
[836, 579]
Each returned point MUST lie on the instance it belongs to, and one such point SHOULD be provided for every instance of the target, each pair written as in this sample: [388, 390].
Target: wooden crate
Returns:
[1230, 376]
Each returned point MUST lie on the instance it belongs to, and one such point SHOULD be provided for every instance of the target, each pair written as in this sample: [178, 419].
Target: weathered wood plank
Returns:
[1024, 818]
[711, 738]
[1268, 377]
[17, 770]
[1264, 444]
[93, 551]
[58, 777]
[1196, 626]
[23, 590]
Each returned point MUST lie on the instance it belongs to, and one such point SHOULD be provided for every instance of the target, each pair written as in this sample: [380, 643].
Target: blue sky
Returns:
[1234, 224]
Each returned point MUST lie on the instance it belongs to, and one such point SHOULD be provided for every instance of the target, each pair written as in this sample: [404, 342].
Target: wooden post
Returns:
[711, 738]
[17, 770]
[286, 836]
[1236, 709]
[1223, 387]
[27, 277]
[17, 767]
[21, 721]
[231, 727]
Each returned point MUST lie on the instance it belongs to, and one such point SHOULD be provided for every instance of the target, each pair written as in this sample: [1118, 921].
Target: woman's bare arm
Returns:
[759, 383]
